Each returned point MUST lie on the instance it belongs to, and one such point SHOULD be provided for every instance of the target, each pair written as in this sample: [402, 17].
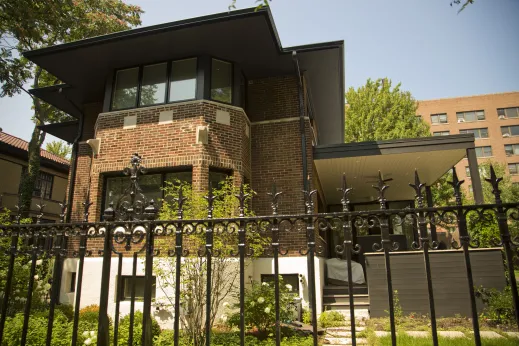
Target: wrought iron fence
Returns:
[131, 225]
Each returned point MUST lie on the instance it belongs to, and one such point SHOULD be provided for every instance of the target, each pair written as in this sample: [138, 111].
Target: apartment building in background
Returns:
[492, 118]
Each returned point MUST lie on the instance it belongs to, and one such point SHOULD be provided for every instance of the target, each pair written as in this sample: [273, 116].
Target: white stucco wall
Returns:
[253, 269]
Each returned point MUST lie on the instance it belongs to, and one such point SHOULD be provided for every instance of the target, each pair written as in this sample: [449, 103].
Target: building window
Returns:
[126, 287]
[288, 279]
[485, 151]
[441, 133]
[510, 131]
[221, 81]
[439, 118]
[125, 90]
[511, 149]
[504, 113]
[42, 186]
[218, 176]
[513, 168]
[153, 89]
[467, 171]
[478, 133]
[152, 186]
[182, 85]
[470, 116]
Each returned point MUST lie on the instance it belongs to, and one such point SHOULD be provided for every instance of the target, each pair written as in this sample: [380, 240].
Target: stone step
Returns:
[345, 305]
[357, 289]
[345, 299]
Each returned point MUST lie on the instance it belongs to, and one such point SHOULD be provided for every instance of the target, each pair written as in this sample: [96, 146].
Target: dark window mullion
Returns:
[139, 87]
[168, 80]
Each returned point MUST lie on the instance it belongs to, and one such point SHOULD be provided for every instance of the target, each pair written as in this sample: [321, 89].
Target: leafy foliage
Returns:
[124, 329]
[59, 148]
[32, 24]
[260, 313]
[499, 305]
[331, 319]
[376, 111]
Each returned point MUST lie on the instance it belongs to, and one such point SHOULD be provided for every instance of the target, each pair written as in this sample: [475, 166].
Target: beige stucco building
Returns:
[51, 184]
[492, 118]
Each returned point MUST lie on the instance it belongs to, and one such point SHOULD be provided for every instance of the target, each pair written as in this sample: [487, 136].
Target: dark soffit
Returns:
[66, 131]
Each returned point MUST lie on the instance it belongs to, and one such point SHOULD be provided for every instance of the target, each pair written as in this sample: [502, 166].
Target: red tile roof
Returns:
[21, 144]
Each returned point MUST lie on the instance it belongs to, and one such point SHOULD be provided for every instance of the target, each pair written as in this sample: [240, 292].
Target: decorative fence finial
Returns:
[40, 207]
[210, 199]
[494, 181]
[309, 203]
[180, 202]
[242, 196]
[381, 187]
[418, 186]
[274, 196]
[63, 208]
[456, 184]
[345, 190]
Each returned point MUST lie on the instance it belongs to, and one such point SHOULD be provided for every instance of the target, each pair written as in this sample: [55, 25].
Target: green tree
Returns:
[33, 24]
[376, 111]
[59, 148]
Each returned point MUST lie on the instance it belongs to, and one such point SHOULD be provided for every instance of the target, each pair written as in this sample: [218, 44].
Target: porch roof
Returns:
[395, 159]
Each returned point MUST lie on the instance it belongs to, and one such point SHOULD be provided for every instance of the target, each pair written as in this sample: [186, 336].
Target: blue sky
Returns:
[424, 44]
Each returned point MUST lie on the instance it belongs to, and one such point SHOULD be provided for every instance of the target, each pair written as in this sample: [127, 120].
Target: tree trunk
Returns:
[33, 170]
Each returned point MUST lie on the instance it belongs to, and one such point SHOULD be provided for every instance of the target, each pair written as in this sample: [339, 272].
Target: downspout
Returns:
[301, 121]
[73, 166]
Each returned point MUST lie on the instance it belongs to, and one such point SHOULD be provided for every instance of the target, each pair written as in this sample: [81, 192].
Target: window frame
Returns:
[139, 83]
[513, 149]
[439, 117]
[38, 180]
[504, 112]
[514, 164]
[467, 171]
[468, 131]
[475, 116]
[441, 133]
[509, 132]
[152, 171]
[122, 280]
[211, 79]
[482, 149]
[228, 172]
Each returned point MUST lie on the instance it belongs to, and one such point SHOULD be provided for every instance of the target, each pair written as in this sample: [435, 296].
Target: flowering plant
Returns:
[260, 311]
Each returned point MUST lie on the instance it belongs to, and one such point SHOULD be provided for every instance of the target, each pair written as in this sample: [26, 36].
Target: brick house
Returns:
[216, 96]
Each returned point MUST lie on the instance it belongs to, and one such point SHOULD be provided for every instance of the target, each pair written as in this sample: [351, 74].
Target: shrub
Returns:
[37, 331]
[331, 319]
[89, 308]
[260, 310]
[307, 316]
[499, 305]
[124, 329]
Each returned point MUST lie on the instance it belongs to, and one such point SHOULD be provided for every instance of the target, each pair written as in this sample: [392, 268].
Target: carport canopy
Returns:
[397, 160]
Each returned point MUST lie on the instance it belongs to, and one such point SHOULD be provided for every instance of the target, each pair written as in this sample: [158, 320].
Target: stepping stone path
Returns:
[489, 335]
[513, 334]
[341, 336]
[451, 334]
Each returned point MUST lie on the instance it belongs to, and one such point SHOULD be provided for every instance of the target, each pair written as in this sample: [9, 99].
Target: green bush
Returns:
[307, 316]
[331, 319]
[37, 331]
[124, 329]
[499, 305]
[260, 311]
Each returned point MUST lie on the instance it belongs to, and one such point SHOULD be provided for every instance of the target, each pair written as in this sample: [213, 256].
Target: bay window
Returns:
[126, 86]
[153, 88]
[182, 85]
[221, 81]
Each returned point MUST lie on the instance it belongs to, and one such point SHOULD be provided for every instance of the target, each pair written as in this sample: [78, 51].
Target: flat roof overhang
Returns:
[247, 37]
[66, 131]
[432, 157]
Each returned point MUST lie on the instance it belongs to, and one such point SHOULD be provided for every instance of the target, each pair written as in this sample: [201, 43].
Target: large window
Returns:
[513, 168]
[217, 176]
[439, 118]
[153, 89]
[478, 133]
[127, 285]
[126, 86]
[512, 112]
[153, 86]
[152, 185]
[43, 184]
[221, 81]
[441, 133]
[511, 149]
[470, 116]
[182, 84]
[510, 131]
[485, 151]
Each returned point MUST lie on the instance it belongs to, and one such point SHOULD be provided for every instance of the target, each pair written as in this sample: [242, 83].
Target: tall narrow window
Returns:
[182, 85]
[153, 89]
[221, 81]
[125, 92]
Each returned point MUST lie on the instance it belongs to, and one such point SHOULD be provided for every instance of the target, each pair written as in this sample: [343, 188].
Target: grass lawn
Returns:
[403, 339]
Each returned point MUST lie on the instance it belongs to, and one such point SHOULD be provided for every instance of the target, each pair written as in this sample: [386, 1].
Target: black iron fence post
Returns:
[424, 246]
[275, 252]
[506, 239]
[208, 254]
[310, 238]
[147, 335]
[386, 246]
[349, 249]
[242, 196]
[178, 261]
[103, 330]
[465, 244]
